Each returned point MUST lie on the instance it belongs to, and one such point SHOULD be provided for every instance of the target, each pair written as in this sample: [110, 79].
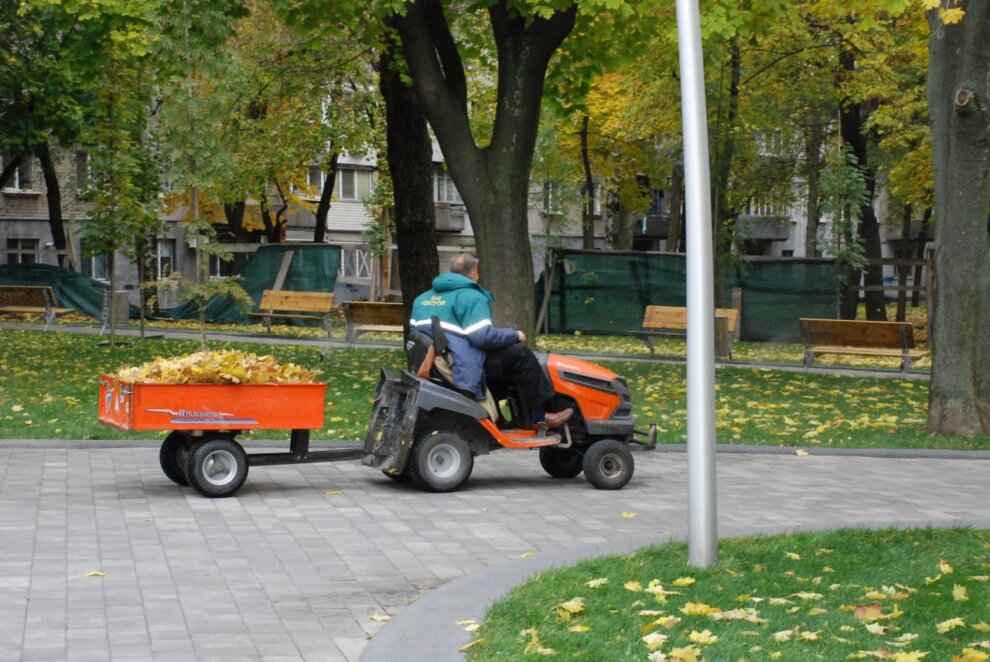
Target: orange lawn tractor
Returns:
[425, 431]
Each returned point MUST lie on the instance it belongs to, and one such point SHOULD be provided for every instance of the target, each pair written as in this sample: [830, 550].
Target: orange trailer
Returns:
[204, 419]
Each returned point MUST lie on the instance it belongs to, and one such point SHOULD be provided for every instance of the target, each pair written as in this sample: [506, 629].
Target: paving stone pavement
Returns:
[294, 566]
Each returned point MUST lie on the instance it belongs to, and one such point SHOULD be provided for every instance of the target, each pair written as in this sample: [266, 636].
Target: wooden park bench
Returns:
[285, 304]
[373, 316]
[858, 337]
[30, 300]
[671, 321]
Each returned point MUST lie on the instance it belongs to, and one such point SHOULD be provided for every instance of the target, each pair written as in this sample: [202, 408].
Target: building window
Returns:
[165, 263]
[220, 268]
[22, 251]
[443, 187]
[23, 178]
[552, 203]
[95, 266]
[316, 177]
[352, 184]
[82, 173]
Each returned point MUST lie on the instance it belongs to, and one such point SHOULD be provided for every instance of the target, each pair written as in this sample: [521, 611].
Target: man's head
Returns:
[465, 264]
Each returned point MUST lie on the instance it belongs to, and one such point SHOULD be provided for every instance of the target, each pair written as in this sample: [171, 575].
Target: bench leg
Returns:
[267, 323]
[49, 319]
[352, 334]
[327, 326]
[649, 343]
[905, 363]
[809, 358]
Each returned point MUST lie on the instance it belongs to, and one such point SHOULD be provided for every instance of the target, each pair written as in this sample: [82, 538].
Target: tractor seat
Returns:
[420, 356]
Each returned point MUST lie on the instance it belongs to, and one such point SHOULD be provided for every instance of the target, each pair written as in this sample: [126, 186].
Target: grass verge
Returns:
[902, 595]
[51, 380]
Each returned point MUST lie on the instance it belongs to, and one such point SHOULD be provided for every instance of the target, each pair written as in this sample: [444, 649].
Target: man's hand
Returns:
[522, 336]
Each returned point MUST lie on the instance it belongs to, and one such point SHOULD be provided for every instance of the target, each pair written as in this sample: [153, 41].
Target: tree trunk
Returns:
[54, 194]
[493, 180]
[959, 97]
[323, 209]
[676, 218]
[814, 139]
[723, 217]
[851, 118]
[920, 255]
[588, 209]
[902, 269]
[409, 152]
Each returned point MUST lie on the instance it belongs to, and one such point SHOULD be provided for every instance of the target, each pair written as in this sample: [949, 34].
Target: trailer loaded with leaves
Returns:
[205, 401]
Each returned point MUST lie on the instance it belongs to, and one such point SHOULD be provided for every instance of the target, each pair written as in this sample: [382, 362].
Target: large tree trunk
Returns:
[493, 180]
[410, 164]
[851, 118]
[54, 194]
[323, 209]
[959, 97]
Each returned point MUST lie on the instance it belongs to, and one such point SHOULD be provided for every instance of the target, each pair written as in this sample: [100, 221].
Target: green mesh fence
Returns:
[72, 289]
[313, 269]
[607, 292]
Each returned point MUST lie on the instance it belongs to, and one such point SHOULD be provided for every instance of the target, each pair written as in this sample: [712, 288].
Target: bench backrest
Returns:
[857, 333]
[675, 317]
[27, 295]
[374, 312]
[308, 302]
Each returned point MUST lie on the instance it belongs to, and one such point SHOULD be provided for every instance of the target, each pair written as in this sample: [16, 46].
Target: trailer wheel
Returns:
[217, 467]
[173, 455]
[440, 461]
[561, 462]
[608, 465]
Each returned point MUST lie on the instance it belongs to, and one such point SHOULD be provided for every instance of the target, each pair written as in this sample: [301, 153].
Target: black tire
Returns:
[400, 477]
[561, 462]
[608, 464]
[440, 462]
[217, 467]
[172, 457]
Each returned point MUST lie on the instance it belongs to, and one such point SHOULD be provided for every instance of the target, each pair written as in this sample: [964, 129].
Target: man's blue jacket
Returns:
[465, 312]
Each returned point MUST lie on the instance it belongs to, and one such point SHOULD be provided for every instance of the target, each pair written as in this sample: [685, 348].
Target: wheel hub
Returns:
[444, 461]
[219, 467]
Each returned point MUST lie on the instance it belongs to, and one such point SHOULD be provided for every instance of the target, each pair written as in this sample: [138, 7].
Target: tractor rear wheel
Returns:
[608, 464]
[561, 462]
[440, 461]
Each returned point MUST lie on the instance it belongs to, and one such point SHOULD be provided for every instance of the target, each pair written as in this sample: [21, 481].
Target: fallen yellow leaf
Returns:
[654, 640]
[633, 585]
[96, 573]
[949, 625]
[959, 593]
[705, 637]
[380, 617]
[629, 515]
[684, 581]
[578, 628]
[595, 583]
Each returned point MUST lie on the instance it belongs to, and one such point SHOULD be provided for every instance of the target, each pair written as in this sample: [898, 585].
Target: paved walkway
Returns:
[295, 566]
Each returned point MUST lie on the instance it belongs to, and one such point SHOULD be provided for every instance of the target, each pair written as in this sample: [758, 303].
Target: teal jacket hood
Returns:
[449, 282]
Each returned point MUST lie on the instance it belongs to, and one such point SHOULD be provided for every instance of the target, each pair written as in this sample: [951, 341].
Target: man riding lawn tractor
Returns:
[428, 424]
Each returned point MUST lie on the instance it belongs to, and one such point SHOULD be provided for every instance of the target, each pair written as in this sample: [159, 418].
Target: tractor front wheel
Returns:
[440, 461]
[608, 464]
[561, 462]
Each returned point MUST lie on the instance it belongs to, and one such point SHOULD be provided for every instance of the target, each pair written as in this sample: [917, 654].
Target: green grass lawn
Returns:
[51, 381]
[847, 594]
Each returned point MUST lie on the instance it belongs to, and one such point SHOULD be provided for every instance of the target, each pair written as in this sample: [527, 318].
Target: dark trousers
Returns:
[515, 368]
